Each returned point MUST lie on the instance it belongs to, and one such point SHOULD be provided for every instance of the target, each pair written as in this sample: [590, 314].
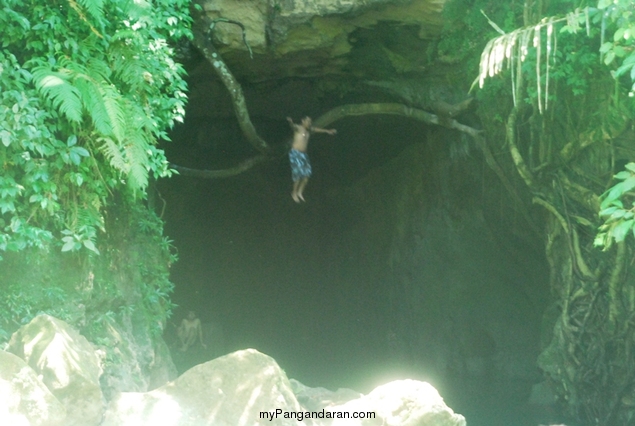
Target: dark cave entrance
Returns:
[407, 261]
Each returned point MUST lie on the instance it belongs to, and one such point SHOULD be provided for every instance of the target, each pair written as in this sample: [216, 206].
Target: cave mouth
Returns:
[407, 260]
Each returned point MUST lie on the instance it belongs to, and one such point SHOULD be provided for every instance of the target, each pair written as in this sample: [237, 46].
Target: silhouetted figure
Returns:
[189, 331]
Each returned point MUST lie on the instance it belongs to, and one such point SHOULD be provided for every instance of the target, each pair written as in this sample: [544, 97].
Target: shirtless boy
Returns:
[190, 331]
[299, 159]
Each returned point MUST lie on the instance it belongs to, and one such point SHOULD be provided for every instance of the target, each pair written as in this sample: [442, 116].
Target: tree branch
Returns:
[204, 44]
[391, 109]
[222, 173]
[326, 119]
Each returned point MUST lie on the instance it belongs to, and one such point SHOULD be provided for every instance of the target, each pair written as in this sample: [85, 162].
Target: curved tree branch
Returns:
[330, 117]
[420, 115]
[222, 173]
[391, 109]
[204, 44]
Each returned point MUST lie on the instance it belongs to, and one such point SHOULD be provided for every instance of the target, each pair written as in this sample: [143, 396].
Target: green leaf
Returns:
[619, 34]
[622, 175]
[606, 47]
[600, 240]
[6, 137]
[607, 212]
[83, 152]
[603, 4]
[628, 184]
[91, 246]
[619, 232]
[70, 245]
[630, 166]
[616, 192]
[582, 220]
[620, 52]
[617, 214]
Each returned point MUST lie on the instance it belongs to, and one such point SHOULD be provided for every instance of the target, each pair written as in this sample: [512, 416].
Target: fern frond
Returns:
[131, 72]
[93, 102]
[113, 104]
[104, 105]
[137, 157]
[56, 88]
[125, 64]
[138, 149]
[94, 7]
[97, 67]
[114, 154]
[98, 16]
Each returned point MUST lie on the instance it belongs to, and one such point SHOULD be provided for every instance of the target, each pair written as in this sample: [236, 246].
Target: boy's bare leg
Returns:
[303, 183]
[294, 193]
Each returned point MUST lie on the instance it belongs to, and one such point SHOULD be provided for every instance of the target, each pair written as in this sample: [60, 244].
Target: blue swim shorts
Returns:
[300, 165]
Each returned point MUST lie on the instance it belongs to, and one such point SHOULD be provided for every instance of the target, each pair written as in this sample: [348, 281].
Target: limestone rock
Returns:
[229, 391]
[401, 403]
[24, 400]
[143, 362]
[67, 363]
[308, 37]
[315, 399]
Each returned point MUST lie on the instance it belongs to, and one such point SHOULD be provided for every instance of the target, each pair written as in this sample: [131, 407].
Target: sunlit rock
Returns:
[315, 399]
[229, 391]
[400, 403]
[143, 363]
[24, 399]
[67, 363]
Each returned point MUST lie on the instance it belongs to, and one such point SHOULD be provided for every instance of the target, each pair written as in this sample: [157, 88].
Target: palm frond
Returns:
[510, 50]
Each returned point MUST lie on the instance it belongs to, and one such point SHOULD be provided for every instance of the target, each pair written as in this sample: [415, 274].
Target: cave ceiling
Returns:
[340, 40]
[337, 46]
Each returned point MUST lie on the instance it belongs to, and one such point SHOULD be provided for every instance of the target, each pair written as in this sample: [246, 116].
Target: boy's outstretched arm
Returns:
[321, 130]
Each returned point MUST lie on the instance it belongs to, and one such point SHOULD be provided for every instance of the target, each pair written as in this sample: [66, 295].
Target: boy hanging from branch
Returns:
[298, 157]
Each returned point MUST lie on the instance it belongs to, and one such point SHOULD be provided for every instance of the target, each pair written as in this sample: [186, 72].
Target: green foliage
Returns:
[568, 146]
[87, 89]
[618, 19]
[466, 30]
[129, 279]
[618, 220]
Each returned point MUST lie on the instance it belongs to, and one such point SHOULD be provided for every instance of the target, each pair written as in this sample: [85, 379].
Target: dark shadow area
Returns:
[407, 261]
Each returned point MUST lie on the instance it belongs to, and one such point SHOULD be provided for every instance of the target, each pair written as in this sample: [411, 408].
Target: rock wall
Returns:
[463, 282]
